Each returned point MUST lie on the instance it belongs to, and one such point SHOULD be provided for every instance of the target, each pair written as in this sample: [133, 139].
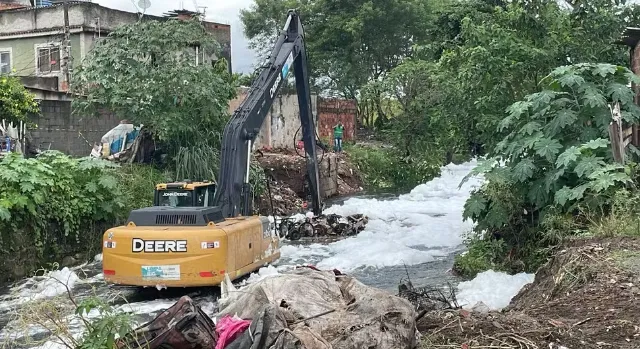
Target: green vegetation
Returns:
[387, 169]
[15, 101]
[559, 175]
[149, 72]
[101, 322]
[55, 206]
[454, 78]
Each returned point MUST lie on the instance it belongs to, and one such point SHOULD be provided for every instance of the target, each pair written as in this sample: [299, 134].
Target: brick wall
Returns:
[331, 111]
[58, 130]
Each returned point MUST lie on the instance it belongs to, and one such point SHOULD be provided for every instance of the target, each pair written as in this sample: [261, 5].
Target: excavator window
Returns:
[175, 198]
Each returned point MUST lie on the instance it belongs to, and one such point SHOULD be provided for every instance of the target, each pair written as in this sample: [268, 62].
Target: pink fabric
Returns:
[228, 328]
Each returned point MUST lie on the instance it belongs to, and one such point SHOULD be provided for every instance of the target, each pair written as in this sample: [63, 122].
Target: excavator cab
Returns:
[184, 194]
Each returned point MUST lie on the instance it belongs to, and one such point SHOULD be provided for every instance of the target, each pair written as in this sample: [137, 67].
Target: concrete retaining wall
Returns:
[75, 136]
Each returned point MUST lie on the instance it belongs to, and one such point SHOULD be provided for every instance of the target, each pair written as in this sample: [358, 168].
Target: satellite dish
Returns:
[144, 4]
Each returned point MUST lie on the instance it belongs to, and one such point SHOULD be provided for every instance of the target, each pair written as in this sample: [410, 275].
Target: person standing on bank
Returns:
[337, 137]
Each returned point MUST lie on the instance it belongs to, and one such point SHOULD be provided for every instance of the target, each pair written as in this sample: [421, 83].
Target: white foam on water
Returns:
[53, 283]
[411, 229]
[98, 258]
[261, 274]
[494, 289]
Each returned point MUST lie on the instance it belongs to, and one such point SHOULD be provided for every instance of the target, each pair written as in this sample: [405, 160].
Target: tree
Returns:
[349, 43]
[264, 21]
[148, 73]
[557, 158]
[16, 102]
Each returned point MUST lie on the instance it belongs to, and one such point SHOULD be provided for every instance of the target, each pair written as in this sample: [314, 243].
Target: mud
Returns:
[285, 170]
[586, 296]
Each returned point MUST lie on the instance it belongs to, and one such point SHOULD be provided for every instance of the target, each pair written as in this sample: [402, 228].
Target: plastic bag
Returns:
[228, 328]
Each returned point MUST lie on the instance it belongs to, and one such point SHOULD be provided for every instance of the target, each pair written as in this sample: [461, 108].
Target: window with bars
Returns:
[5, 61]
[48, 59]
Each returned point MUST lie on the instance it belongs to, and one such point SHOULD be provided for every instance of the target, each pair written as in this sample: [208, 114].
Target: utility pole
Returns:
[66, 48]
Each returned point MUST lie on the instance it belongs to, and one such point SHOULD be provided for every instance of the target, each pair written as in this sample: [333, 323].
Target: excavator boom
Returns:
[234, 194]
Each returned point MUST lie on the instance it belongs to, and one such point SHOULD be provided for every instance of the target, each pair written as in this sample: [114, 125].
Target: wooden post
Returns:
[616, 135]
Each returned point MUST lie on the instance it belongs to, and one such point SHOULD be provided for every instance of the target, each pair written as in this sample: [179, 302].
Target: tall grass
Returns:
[197, 163]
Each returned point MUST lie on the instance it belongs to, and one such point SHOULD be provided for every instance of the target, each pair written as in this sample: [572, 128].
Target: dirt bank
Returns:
[586, 296]
[286, 170]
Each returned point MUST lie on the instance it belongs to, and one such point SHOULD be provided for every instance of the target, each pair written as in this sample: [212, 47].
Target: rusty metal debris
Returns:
[330, 225]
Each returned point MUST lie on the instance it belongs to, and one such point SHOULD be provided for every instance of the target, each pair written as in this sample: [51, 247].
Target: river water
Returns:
[415, 234]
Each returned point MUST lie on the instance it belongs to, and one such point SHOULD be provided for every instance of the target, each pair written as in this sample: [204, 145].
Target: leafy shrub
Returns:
[52, 205]
[136, 183]
[16, 102]
[386, 169]
[556, 155]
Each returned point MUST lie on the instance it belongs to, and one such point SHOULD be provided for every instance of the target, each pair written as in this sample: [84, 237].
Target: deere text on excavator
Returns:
[198, 232]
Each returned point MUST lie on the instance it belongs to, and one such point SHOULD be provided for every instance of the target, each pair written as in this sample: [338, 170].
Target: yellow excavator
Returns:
[196, 233]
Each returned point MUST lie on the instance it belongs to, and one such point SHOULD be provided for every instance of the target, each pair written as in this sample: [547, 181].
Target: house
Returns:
[32, 35]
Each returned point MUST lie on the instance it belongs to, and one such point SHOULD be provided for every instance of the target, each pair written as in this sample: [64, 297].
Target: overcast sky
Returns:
[221, 11]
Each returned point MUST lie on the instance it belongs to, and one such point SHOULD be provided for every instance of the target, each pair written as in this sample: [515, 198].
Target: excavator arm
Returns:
[234, 194]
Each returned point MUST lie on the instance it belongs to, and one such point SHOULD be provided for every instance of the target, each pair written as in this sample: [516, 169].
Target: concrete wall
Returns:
[58, 130]
[281, 124]
[328, 172]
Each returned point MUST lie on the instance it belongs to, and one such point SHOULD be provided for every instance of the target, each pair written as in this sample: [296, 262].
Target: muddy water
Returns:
[415, 234]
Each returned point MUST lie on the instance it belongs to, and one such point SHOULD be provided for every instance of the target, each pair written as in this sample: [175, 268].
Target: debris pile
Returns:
[322, 226]
[586, 296]
[285, 201]
[302, 309]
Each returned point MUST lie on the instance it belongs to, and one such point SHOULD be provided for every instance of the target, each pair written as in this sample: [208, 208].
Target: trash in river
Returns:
[331, 225]
[306, 308]
[228, 329]
[301, 309]
[183, 326]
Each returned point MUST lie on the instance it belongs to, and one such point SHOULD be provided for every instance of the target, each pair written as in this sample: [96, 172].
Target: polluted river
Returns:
[415, 234]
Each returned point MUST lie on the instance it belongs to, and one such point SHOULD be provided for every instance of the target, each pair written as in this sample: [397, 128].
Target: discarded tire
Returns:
[294, 234]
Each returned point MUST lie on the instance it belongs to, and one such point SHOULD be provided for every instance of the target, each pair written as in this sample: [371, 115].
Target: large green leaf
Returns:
[589, 164]
[530, 128]
[538, 193]
[570, 80]
[568, 156]
[562, 119]
[595, 144]
[593, 98]
[567, 194]
[548, 148]
[604, 69]
[475, 205]
[523, 170]
[517, 109]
